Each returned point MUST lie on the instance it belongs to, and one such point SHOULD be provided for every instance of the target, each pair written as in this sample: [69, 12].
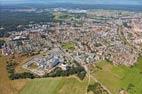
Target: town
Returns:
[71, 48]
[84, 36]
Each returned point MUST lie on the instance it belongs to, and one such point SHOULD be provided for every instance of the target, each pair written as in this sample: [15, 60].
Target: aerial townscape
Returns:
[69, 50]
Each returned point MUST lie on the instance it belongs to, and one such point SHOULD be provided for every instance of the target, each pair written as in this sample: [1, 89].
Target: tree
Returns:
[1, 43]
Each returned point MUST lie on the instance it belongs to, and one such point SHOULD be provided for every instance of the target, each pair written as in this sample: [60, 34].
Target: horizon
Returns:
[93, 2]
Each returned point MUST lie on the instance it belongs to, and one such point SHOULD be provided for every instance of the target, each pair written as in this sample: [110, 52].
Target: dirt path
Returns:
[92, 77]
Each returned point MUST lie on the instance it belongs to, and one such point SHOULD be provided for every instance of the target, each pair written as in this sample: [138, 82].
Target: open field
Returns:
[112, 77]
[120, 77]
[62, 16]
[7, 86]
[69, 46]
[66, 85]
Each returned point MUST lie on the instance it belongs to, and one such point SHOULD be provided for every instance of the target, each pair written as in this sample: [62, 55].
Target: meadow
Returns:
[112, 77]
[9, 86]
[59, 85]
[120, 77]
[68, 46]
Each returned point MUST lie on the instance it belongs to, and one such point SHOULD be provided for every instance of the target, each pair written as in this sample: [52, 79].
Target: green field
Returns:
[62, 16]
[70, 85]
[69, 46]
[112, 77]
[120, 77]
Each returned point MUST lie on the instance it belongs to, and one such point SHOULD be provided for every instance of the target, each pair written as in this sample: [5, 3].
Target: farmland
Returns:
[120, 76]
[40, 86]
[8, 86]
[116, 78]
[69, 85]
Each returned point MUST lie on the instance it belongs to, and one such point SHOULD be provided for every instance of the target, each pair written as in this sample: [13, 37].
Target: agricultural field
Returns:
[8, 86]
[61, 85]
[112, 77]
[116, 78]
[62, 16]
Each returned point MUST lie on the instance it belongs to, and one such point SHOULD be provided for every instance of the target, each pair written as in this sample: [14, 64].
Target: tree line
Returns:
[79, 71]
[96, 88]
[13, 75]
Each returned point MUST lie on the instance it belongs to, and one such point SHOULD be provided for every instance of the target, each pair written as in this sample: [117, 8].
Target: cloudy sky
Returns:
[133, 2]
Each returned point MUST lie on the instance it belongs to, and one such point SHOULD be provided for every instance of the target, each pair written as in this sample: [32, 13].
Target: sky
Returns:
[128, 2]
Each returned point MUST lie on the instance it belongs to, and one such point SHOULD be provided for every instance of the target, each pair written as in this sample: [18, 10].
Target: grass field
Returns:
[62, 16]
[69, 46]
[69, 85]
[7, 86]
[112, 77]
[118, 77]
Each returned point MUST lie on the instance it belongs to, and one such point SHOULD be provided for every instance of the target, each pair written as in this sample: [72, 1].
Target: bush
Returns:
[57, 72]
[96, 88]
[12, 75]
